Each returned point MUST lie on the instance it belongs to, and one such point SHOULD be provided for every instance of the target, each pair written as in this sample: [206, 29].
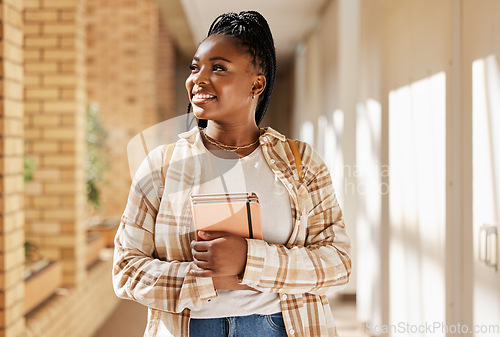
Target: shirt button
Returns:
[265, 139]
[272, 161]
[284, 297]
[292, 332]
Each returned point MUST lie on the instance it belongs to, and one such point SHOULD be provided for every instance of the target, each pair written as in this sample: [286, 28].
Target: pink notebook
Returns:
[236, 213]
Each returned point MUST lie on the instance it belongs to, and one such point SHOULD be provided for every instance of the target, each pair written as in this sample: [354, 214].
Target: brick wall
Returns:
[130, 61]
[165, 74]
[54, 129]
[11, 166]
[44, 90]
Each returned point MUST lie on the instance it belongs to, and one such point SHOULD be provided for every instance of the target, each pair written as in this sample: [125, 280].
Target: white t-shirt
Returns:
[248, 174]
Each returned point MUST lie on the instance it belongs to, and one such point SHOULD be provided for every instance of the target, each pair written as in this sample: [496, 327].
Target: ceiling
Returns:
[290, 20]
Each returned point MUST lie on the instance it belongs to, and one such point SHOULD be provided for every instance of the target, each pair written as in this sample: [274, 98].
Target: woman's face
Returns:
[222, 81]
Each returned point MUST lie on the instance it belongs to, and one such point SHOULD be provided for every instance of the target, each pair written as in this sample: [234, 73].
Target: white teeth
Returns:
[203, 96]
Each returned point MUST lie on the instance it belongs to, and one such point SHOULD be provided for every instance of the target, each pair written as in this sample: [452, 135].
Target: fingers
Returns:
[202, 265]
[199, 246]
[200, 256]
[211, 235]
[218, 254]
[202, 273]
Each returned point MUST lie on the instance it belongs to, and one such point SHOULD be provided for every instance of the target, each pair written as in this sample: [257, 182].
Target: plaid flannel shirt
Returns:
[152, 246]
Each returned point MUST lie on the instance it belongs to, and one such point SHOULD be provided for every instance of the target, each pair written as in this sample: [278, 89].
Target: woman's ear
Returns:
[259, 85]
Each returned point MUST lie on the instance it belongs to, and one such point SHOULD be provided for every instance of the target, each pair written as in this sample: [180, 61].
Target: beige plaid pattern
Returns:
[152, 247]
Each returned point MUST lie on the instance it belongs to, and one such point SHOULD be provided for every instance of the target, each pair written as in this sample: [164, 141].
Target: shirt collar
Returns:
[268, 131]
[190, 135]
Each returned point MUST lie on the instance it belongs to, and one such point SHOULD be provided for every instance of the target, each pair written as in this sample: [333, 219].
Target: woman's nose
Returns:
[200, 77]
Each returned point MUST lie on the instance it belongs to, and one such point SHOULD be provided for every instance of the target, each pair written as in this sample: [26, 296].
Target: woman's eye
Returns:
[218, 67]
[193, 67]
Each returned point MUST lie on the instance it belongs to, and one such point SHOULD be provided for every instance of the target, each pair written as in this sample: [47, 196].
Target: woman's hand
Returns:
[219, 254]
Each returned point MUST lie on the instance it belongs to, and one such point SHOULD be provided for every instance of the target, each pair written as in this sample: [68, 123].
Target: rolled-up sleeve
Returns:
[137, 274]
[319, 265]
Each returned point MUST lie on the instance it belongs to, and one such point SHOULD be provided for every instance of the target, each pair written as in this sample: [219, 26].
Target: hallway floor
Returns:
[344, 313]
[129, 320]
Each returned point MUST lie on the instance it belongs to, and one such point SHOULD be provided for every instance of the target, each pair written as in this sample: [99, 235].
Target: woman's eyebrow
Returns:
[218, 58]
[196, 58]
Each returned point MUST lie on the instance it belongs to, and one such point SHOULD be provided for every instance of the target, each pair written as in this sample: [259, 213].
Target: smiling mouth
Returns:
[200, 98]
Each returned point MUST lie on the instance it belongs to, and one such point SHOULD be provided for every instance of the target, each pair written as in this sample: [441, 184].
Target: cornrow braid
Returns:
[251, 29]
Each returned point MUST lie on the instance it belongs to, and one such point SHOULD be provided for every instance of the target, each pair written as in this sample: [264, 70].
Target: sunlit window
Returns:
[307, 133]
[370, 188]
[417, 143]
[486, 185]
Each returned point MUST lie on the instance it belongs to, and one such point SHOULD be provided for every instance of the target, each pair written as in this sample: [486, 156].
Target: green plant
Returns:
[31, 252]
[29, 169]
[96, 155]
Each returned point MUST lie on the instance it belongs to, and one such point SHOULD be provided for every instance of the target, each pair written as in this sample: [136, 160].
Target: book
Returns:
[236, 213]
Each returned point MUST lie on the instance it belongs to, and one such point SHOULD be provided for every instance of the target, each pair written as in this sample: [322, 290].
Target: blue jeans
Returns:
[239, 326]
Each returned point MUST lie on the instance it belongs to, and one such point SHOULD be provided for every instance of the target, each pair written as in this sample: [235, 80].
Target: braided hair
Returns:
[252, 31]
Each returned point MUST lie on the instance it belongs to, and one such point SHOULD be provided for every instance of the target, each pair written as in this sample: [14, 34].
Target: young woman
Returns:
[223, 284]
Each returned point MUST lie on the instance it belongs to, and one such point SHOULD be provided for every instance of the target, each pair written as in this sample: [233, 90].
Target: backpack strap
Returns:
[296, 155]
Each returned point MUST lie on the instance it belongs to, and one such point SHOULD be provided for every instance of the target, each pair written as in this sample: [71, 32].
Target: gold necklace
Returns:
[225, 147]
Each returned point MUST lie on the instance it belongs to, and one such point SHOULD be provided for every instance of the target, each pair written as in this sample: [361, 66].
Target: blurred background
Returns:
[401, 99]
